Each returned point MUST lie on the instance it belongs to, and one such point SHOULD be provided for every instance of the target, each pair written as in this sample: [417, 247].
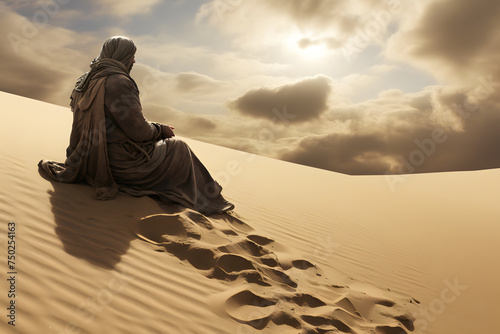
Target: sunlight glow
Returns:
[305, 48]
[314, 51]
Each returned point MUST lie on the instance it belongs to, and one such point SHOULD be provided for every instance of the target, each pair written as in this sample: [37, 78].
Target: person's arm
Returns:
[122, 101]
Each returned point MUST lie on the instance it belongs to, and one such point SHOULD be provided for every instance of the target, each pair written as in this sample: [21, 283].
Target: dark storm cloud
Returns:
[340, 153]
[456, 30]
[304, 101]
[460, 132]
[452, 39]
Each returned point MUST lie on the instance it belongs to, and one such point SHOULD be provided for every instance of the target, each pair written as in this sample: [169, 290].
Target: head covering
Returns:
[116, 57]
[119, 48]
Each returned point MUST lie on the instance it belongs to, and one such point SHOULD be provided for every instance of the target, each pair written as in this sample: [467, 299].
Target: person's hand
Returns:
[167, 131]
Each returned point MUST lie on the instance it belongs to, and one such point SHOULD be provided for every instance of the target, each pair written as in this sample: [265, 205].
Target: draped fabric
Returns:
[86, 156]
[113, 147]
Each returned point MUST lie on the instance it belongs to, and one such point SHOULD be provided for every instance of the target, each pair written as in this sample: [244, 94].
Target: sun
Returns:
[306, 48]
[314, 51]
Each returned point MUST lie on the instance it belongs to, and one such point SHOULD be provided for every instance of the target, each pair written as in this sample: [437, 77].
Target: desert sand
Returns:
[305, 250]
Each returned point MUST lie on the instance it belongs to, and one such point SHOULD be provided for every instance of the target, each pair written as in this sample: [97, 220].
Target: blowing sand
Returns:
[305, 251]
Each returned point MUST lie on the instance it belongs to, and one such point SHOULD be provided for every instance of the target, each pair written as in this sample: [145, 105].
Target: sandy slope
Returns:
[305, 251]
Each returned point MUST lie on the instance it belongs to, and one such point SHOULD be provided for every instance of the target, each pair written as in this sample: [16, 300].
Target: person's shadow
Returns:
[99, 232]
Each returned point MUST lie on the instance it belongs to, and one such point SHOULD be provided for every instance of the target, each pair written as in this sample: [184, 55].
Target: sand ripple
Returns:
[271, 295]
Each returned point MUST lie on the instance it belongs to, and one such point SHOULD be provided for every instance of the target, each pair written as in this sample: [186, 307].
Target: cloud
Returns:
[190, 125]
[345, 153]
[126, 8]
[304, 100]
[311, 13]
[383, 68]
[259, 25]
[178, 57]
[189, 82]
[43, 61]
[39, 60]
[452, 39]
[18, 4]
[440, 129]
[449, 126]
[191, 91]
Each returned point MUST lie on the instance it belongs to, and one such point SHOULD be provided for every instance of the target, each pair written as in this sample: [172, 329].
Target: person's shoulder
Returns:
[118, 77]
[119, 81]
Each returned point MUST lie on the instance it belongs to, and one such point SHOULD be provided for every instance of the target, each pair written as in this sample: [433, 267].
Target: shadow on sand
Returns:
[99, 232]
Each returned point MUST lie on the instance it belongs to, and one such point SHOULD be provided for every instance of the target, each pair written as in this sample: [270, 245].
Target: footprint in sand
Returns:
[273, 293]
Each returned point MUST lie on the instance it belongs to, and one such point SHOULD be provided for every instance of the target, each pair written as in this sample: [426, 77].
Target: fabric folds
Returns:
[113, 147]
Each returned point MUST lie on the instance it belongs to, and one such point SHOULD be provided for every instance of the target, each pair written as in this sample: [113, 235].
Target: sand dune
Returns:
[305, 251]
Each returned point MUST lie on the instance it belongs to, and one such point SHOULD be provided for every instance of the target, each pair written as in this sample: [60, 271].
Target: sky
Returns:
[352, 86]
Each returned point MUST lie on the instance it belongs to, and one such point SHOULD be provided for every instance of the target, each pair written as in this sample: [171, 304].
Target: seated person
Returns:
[113, 147]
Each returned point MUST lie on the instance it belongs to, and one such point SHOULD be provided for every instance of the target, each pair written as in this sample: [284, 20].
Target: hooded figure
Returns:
[113, 147]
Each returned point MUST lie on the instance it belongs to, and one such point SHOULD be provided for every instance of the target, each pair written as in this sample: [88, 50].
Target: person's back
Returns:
[113, 146]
